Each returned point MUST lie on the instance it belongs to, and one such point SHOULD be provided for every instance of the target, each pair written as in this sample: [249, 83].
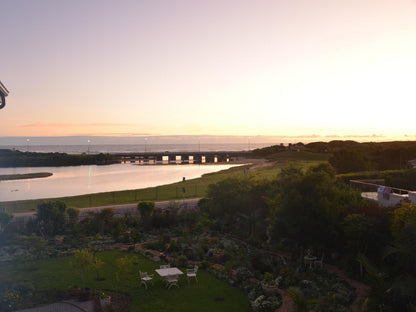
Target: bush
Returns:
[146, 209]
[242, 274]
[263, 304]
[182, 261]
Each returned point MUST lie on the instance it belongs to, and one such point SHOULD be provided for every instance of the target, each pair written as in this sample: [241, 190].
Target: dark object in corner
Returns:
[3, 93]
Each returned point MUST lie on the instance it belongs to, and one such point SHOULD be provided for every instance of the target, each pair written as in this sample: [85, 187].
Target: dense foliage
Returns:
[314, 210]
[307, 207]
[238, 206]
[351, 156]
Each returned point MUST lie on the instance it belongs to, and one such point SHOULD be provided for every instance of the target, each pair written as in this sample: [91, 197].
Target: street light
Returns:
[88, 147]
[145, 145]
[27, 143]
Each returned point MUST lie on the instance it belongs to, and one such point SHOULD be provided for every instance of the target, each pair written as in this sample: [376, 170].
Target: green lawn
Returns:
[194, 187]
[209, 294]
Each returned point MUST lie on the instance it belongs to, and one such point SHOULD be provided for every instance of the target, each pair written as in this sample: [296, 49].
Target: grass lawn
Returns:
[209, 294]
[194, 187]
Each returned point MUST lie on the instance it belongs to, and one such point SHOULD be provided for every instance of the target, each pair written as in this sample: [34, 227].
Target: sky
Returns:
[321, 69]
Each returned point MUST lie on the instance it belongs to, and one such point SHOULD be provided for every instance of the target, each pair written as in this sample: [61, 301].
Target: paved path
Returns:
[64, 306]
[119, 210]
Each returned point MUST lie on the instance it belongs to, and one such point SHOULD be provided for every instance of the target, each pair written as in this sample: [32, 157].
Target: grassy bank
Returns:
[193, 188]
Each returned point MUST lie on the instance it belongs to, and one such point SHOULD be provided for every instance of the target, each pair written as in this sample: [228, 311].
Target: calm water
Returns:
[78, 180]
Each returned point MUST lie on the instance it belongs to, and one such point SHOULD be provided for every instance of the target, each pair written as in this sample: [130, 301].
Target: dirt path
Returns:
[361, 290]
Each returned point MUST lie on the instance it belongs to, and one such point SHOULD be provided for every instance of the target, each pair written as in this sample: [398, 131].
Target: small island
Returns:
[5, 177]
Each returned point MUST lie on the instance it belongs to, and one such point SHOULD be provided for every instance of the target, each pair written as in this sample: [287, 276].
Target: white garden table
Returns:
[168, 271]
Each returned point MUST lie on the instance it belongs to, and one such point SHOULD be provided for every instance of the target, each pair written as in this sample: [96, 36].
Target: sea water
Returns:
[133, 148]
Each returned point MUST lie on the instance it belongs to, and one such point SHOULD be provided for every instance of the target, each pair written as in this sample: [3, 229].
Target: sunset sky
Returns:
[328, 68]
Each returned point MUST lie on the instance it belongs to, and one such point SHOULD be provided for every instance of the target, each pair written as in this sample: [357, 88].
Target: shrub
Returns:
[263, 304]
[401, 217]
[146, 209]
[242, 274]
[182, 261]
[81, 260]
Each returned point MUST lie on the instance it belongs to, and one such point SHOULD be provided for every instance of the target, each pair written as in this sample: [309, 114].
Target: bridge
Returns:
[166, 158]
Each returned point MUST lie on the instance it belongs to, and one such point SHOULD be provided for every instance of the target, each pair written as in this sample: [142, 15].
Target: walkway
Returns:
[119, 210]
[64, 306]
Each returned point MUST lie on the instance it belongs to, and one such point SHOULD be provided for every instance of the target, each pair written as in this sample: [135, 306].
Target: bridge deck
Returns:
[184, 157]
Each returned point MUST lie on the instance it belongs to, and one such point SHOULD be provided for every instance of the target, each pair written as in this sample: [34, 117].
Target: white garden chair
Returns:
[171, 280]
[146, 278]
[191, 273]
[319, 262]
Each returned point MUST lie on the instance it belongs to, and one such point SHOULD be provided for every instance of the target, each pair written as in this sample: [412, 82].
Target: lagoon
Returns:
[80, 180]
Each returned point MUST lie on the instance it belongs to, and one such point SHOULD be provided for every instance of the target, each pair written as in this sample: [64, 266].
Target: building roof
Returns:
[3, 89]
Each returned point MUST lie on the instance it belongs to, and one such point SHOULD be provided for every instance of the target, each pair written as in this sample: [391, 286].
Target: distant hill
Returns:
[351, 156]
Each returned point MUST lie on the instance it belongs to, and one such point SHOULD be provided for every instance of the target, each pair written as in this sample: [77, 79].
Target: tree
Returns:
[400, 219]
[146, 209]
[306, 207]
[5, 218]
[97, 265]
[380, 293]
[400, 256]
[72, 214]
[51, 218]
[238, 206]
[357, 229]
[126, 268]
[102, 222]
[82, 259]
[347, 160]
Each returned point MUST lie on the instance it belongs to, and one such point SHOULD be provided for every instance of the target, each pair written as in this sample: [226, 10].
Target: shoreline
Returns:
[195, 187]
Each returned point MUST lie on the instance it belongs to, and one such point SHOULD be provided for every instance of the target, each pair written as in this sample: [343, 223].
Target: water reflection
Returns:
[89, 176]
[78, 180]
[28, 180]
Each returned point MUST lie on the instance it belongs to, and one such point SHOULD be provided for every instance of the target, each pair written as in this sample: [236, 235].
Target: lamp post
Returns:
[88, 150]
[27, 144]
[145, 145]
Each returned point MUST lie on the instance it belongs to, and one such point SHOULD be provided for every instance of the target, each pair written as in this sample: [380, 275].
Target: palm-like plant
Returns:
[300, 300]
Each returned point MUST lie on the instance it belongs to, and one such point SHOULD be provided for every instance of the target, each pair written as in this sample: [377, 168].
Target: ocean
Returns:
[131, 148]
